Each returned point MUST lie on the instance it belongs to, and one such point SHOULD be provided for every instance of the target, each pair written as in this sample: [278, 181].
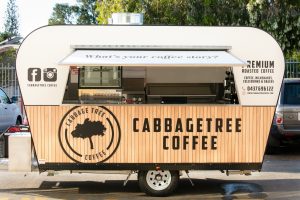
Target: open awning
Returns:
[152, 58]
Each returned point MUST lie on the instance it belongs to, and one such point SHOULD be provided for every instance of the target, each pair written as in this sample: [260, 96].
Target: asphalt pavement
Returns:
[279, 179]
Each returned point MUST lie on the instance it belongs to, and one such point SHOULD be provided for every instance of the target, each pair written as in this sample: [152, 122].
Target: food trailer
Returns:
[156, 100]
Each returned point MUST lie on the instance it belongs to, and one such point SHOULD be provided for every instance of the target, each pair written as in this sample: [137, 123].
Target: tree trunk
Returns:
[91, 142]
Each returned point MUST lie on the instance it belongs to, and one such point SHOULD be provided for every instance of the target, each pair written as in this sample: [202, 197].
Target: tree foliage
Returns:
[173, 12]
[12, 18]
[179, 12]
[106, 7]
[8, 56]
[63, 14]
[82, 13]
[218, 13]
[87, 13]
[279, 18]
[169, 12]
[4, 36]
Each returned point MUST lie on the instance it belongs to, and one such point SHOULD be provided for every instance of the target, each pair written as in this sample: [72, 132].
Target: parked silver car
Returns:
[285, 128]
[9, 112]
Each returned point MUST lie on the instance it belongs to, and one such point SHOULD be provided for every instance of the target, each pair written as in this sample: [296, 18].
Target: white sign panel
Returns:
[153, 58]
[257, 78]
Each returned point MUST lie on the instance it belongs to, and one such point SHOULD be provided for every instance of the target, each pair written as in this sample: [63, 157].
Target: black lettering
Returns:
[189, 125]
[228, 125]
[249, 63]
[157, 125]
[199, 124]
[146, 127]
[208, 120]
[266, 64]
[238, 124]
[178, 126]
[219, 124]
[135, 120]
[70, 121]
[185, 141]
[204, 142]
[175, 142]
[214, 142]
[195, 142]
[168, 125]
[165, 146]
[257, 64]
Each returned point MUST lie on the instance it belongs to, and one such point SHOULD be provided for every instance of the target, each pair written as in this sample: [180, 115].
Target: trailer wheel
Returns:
[158, 182]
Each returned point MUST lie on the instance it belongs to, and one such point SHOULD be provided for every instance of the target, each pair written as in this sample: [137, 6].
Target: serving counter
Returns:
[179, 134]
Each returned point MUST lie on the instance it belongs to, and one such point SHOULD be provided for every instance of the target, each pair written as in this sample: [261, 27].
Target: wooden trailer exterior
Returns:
[76, 135]
[191, 142]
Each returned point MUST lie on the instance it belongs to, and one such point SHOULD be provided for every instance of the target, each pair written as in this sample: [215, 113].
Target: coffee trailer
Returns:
[155, 100]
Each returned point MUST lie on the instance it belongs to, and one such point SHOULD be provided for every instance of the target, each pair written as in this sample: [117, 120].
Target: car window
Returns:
[3, 97]
[292, 94]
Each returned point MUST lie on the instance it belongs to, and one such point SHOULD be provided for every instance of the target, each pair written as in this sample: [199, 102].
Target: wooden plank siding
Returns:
[247, 146]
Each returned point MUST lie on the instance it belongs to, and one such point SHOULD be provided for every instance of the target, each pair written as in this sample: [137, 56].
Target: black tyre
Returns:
[158, 182]
[272, 150]
[273, 145]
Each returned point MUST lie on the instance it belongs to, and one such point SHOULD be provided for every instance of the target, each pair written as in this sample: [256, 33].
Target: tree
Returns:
[4, 36]
[106, 7]
[179, 12]
[63, 14]
[89, 129]
[11, 21]
[87, 13]
[218, 13]
[82, 13]
[172, 12]
[279, 18]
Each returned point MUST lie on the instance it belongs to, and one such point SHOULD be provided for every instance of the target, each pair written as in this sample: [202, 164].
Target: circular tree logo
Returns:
[89, 134]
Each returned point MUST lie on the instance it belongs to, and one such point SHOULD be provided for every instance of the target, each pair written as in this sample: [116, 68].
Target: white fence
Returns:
[9, 82]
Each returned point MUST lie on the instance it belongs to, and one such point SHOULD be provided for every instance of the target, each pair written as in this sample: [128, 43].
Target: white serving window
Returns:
[100, 76]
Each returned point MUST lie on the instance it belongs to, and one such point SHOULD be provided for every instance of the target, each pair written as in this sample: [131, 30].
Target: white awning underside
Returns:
[152, 58]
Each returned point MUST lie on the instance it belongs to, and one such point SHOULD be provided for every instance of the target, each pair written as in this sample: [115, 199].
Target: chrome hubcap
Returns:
[158, 180]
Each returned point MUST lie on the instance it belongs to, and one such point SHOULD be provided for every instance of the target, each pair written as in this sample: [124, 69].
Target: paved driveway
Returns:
[279, 179]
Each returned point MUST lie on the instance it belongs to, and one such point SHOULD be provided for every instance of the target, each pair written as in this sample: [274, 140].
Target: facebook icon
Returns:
[34, 74]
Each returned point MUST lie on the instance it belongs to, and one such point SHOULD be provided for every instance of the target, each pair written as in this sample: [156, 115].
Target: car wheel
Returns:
[272, 150]
[158, 182]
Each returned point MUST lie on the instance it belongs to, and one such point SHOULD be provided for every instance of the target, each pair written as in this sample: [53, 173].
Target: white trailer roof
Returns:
[258, 83]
